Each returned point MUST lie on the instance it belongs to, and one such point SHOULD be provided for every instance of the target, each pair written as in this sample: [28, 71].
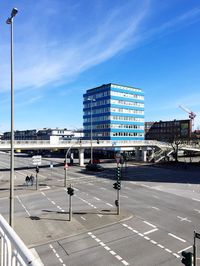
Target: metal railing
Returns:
[13, 251]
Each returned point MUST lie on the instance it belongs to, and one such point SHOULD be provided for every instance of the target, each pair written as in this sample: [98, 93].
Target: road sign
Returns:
[37, 160]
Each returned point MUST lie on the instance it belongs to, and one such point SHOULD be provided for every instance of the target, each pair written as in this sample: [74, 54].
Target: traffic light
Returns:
[187, 258]
[37, 169]
[115, 186]
[70, 191]
[118, 185]
[116, 203]
[118, 173]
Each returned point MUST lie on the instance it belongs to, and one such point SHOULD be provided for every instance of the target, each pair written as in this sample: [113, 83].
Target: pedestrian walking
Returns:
[31, 179]
[27, 179]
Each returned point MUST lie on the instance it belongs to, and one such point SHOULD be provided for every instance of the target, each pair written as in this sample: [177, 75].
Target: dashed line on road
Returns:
[112, 252]
[96, 198]
[83, 218]
[152, 241]
[57, 255]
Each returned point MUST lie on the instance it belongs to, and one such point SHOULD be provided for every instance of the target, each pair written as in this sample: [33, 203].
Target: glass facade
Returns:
[113, 112]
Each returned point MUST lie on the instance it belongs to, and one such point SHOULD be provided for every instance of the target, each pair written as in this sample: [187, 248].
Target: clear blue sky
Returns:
[63, 47]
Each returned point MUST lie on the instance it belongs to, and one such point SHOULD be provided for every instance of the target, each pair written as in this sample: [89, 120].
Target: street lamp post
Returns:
[11, 212]
[91, 129]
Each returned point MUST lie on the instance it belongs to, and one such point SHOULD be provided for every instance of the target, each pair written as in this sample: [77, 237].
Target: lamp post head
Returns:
[14, 12]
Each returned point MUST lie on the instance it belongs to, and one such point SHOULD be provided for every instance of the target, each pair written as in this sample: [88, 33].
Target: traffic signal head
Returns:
[116, 203]
[118, 173]
[37, 169]
[187, 258]
[118, 185]
[70, 191]
[115, 185]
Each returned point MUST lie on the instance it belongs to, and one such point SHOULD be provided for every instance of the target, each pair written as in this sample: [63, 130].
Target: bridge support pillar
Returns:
[137, 154]
[144, 154]
[81, 156]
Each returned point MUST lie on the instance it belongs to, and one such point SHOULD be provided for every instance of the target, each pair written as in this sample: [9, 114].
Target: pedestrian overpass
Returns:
[139, 146]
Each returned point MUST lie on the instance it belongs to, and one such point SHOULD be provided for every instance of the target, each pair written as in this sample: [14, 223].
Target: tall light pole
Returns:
[11, 211]
[91, 128]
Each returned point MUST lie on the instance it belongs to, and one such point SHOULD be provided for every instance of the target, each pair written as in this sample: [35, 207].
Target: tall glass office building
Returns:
[113, 112]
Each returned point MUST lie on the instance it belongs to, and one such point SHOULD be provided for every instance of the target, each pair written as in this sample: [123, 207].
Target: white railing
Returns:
[13, 250]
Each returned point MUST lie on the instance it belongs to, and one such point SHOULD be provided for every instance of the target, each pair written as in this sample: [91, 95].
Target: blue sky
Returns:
[64, 47]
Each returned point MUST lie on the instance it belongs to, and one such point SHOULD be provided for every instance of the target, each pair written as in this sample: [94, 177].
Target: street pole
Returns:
[36, 181]
[194, 250]
[118, 209]
[70, 206]
[91, 158]
[11, 211]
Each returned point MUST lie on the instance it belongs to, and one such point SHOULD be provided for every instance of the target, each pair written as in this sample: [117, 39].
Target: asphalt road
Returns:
[159, 211]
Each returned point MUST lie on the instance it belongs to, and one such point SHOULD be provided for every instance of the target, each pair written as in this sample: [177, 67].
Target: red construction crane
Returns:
[192, 115]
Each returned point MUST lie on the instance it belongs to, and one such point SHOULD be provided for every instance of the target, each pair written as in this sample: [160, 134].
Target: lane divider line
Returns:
[152, 241]
[112, 252]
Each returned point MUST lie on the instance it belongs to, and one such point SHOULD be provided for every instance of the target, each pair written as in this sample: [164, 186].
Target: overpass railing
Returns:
[13, 251]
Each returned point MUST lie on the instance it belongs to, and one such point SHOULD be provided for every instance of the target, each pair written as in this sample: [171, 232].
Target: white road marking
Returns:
[184, 219]
[118, 257]
[181, 239]
[83, 218]
[150, 231]
[45, 188]
[96, 198]
[184, 249]
[112, 252]
[168, 250]
[155, 208]
[109, 204]
[154, 226]
[197, 210]
[196, 199]
[152, 241]
[57, 255]
[125, 262]
[100, 215]
[23, 206]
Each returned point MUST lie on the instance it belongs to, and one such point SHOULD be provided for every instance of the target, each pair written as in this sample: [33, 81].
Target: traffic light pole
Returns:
[194, 250]
[36, 181]
[65, 180]
[70, 206]
[118, 209]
